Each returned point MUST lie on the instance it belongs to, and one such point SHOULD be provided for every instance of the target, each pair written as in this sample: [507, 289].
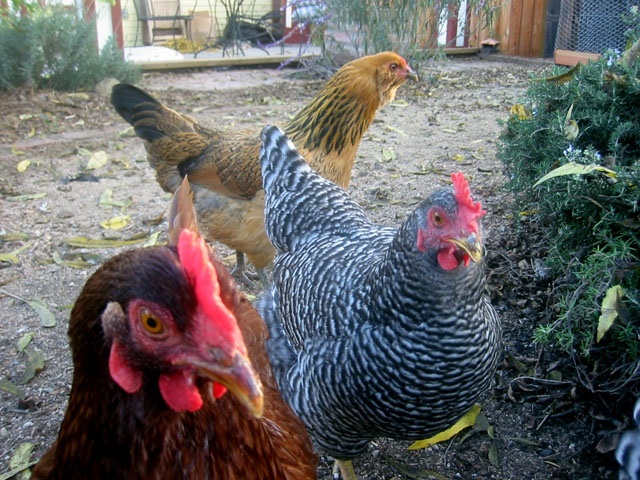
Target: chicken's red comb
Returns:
[463, 194]
[194, 257]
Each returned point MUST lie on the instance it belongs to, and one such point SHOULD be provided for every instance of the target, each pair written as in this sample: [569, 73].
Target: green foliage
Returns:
[53, 47]
[373, 26]
[591, 221]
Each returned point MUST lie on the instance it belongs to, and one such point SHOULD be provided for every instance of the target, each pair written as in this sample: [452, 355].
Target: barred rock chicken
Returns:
[374, 332]
[628, 451]
[223, 166]
[156, 334]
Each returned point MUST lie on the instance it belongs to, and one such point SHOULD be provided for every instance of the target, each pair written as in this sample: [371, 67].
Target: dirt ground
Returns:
[537, 427]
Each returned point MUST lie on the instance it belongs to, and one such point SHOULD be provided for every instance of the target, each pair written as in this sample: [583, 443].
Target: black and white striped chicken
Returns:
[628, 451]
[375, 331]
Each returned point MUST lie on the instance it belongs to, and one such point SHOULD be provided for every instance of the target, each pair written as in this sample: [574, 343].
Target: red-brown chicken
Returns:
[156, 334]
[223, 166]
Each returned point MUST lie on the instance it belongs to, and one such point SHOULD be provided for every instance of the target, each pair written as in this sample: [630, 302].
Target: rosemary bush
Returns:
[53, 47]
[590, 218]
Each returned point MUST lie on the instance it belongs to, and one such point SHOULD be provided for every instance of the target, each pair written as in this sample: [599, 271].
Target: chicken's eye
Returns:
[438, 219]
[394, 66]
[150, 322]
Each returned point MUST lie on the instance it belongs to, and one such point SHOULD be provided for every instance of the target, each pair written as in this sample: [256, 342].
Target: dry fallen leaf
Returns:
[23, 198]
[103, 242]
[20, 461]
[571, 130]
[97, 160]
[24, 341]
[153, 240]
[78, 260]
[106, 201]
[35, 363]
[388, 154]
[13, 237]
[23, 165]
[10, 387]
[12, 256]
[610, 309]
[573, 168]
[493, 455]
[47, 319]
[467, 420]
[520, 112]
[116, 223]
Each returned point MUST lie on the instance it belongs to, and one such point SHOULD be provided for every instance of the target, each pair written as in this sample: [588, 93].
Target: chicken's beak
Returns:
[470, 245]
[411, 74]
[239, 378]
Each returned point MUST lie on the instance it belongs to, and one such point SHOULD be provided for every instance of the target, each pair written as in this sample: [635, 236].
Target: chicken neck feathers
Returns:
[368, 336]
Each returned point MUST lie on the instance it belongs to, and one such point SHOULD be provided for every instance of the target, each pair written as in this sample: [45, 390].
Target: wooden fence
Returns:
[519, 25]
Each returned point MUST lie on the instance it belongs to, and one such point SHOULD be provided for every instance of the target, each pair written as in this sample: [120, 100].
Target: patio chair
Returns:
[162, 18]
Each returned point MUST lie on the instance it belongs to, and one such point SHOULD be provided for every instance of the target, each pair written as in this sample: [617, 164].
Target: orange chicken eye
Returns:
[438, 219]
[150, 323]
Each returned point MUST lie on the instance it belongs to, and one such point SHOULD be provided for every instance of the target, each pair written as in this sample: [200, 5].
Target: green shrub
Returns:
[373, 26]
[590, 219]
[53, 47]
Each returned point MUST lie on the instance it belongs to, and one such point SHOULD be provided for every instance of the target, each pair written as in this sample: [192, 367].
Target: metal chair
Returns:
[162, 18]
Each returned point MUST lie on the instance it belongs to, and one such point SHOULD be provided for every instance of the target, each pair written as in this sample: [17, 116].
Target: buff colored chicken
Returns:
[223, 166]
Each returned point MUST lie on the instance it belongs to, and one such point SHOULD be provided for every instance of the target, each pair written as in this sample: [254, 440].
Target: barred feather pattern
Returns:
[628, 451]
[369, 336]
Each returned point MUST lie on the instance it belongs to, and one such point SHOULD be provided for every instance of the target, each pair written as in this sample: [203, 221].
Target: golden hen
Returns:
[156, 334]
[223, 167]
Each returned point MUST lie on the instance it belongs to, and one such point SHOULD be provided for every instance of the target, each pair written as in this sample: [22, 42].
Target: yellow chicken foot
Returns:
[343, 469]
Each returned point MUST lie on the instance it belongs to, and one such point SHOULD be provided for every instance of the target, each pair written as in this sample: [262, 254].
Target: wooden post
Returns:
[116, 21]
[452, 26]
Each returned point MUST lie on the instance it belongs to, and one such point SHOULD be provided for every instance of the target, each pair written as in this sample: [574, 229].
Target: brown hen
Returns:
[223, 167]
[156, 334]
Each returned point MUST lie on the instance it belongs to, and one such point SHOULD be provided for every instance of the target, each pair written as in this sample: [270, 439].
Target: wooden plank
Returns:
[461, 51]
[473, 30]
[526, 27]
[502, 27]
[116, 23]
[539, 29]
[515, 19]
[571, 58]
[429, 35]
[218, 62]
[452, 26]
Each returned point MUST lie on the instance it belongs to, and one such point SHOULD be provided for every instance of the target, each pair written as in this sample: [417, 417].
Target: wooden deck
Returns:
[253, 57]
[160, 58]
[219, 62]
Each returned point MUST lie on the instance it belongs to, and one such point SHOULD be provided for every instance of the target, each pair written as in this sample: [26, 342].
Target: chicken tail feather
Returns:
[127, 100]
[150, 119]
